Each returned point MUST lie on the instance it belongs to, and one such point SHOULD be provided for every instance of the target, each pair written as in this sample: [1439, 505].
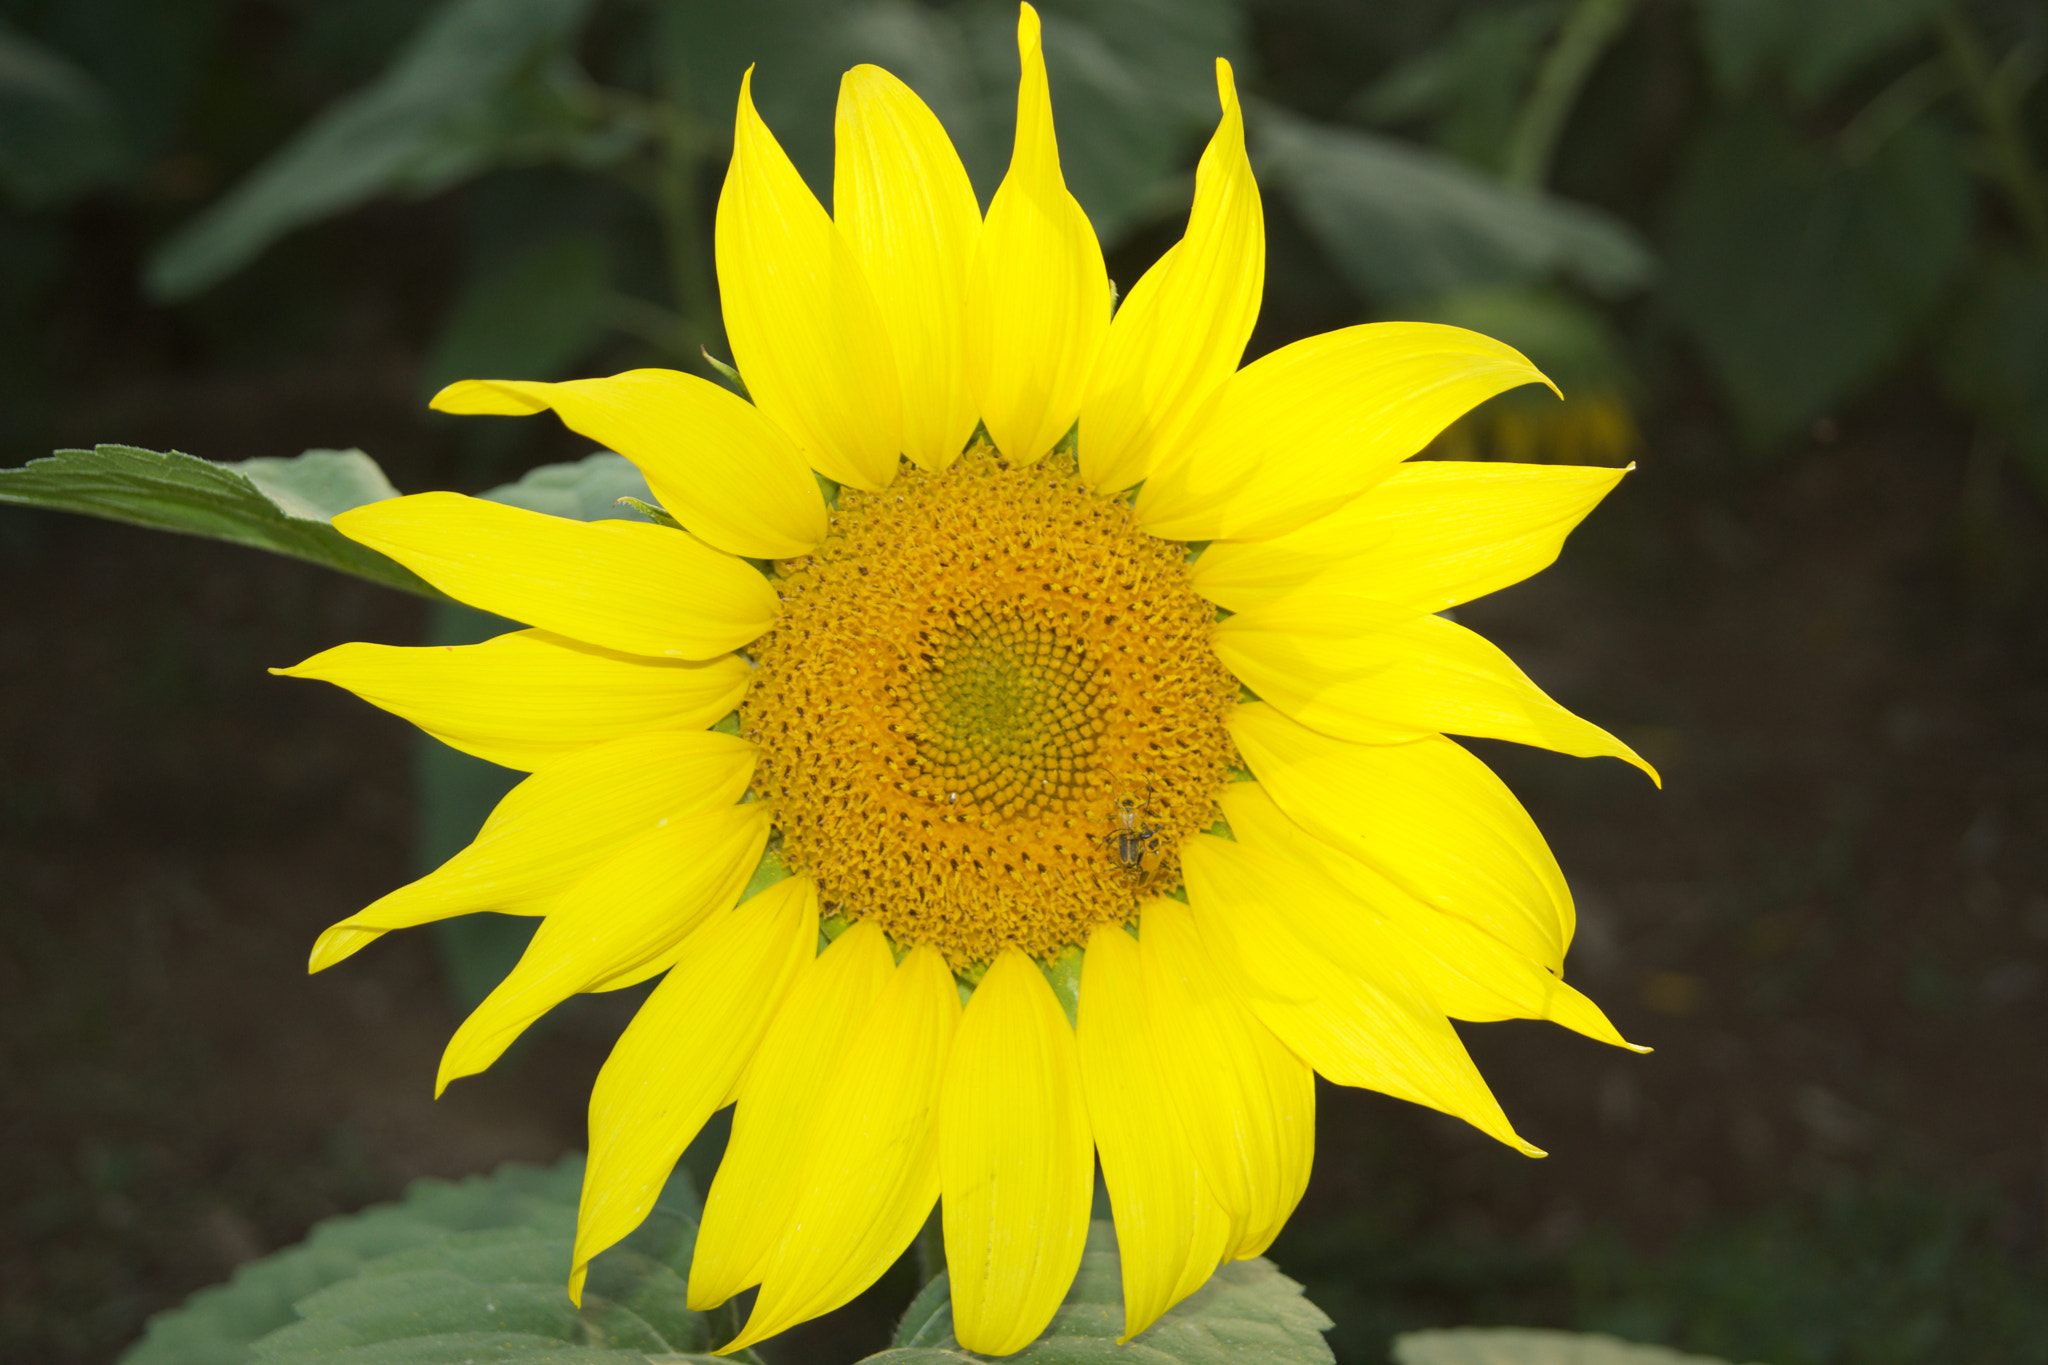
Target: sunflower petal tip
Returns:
[338, 943]
[577, 1276]
[488, 398]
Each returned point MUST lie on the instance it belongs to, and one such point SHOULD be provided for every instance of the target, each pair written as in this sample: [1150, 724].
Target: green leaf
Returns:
[587, 489]
[1471, 84]
[484, 82]
[59, 134]
[1400, 221]
[470, 1271]
[1995, 361]
[1248, 1314]
[1815, 44]
[1803, 277]
[1531, 1346]
[278, 505]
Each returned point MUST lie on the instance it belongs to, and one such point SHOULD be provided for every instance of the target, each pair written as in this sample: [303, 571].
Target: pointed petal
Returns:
[1183, 329]
[1170, 1231]
[527, 698]
[756, 1186]
[619, 585]
[902, 201]
[1432, 534]
[676, 1062]
[1470, 973]
[714, 462]
[1246, 1103]
[1373, 1025]
[1037, 293]
[1426, 814]
[1396, 680]
[1016, 1162]
[555, 826]
[619, 925]
[871, 1172]
[1299, 432]
[805, 330]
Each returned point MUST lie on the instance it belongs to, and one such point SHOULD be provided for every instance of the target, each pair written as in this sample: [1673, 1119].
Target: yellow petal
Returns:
[1426, 814]
[1037, 293]
[1370, 1023]
[902, 201]
[1470, 973]
[676, 1062]
[1396, 680]
[805, 331]
[619, 925]
[871, 1170]
[714, 462]
[555, 826]
[619, 585]
[1432, 534]
[756, 1186]
[1016, 1164]
[1170, 1231]
[1299, 432]
[527, 698]
[1245, 1102]
[1183, 328]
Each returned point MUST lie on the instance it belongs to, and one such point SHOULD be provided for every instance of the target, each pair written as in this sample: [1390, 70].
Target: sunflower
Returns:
[981, 815]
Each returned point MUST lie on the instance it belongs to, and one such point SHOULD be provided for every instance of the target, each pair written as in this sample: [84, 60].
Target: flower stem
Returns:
[1998, 114]
[1587, 31]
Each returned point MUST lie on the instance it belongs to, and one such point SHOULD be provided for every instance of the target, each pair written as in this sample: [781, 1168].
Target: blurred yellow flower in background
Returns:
[1117, 815]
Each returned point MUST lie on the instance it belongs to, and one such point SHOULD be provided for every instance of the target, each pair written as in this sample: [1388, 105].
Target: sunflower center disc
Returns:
[978, 682]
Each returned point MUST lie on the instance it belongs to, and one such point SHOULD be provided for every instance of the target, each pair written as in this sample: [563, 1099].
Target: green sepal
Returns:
[651, 512]
[1063, 974]
[726, 372]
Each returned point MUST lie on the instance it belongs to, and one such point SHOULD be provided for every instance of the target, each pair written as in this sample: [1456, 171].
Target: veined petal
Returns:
[805, 330]
[1170, 1231]
[755, 1188]
[619, 925]
[528, 697]
[903, 202]
[1245, 1102]
[620, 585]
[1183, 329]
[1432, 534]
[1299, 432]
[871, 1172]
[555, 826]
[1399, 680]
[1369, 1023]
[1037, 293]
[1470, 973]
[676, 1062]
[712, 459]
[1016, 1164]
[1426, 814]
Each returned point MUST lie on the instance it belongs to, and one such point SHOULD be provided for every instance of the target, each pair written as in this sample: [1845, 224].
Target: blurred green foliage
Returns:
[1878, 1275]
[1806, 197]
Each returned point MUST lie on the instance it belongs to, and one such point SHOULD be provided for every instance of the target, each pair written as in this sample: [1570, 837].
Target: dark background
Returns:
[1790, 266]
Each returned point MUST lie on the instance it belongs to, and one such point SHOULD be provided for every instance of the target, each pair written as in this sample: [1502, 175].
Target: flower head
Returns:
[984, 728]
